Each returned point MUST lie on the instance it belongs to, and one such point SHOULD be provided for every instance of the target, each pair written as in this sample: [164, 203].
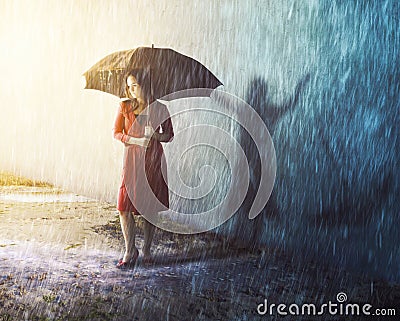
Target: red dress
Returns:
[135, 157]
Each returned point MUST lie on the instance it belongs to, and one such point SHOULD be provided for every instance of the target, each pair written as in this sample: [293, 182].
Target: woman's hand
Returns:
[140, 141]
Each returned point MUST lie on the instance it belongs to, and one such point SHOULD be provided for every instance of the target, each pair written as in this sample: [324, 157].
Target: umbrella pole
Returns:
[151, 80]
[151, 88]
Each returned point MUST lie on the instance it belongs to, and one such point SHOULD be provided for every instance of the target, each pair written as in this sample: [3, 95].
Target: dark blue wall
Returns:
[337, 143]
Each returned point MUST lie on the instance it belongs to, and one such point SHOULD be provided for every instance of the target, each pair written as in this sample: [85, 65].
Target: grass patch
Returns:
[9, 179]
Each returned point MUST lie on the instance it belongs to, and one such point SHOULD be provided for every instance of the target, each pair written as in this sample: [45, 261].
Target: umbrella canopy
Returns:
[170, 71]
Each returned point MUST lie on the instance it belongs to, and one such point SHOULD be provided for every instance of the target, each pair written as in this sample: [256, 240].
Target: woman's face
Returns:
[134, 88]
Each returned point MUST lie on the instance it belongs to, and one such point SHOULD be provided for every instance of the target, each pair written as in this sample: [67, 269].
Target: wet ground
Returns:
[57, 262]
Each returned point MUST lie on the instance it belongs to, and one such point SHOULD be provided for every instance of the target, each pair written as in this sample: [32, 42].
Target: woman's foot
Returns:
[128, 263]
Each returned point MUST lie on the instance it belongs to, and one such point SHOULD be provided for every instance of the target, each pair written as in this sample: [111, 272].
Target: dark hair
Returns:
[142, 77]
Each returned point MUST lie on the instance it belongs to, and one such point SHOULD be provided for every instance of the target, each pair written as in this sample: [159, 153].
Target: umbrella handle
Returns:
[151, 83]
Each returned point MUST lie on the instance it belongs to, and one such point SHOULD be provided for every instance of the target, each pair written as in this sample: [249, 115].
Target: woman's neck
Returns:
[140, 107]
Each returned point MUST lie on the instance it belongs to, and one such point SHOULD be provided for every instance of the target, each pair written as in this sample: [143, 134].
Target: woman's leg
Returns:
[148, 231]
[128, 230]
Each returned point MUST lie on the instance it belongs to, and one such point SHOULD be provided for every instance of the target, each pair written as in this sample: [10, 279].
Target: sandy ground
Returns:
[57, 262]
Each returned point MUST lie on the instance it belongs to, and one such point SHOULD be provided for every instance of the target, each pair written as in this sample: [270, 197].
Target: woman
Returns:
[142, 130]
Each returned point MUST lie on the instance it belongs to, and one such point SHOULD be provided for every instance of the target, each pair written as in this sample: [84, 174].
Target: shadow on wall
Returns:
[355, 219]
[346, 210]
[257, 97]
[337, 187]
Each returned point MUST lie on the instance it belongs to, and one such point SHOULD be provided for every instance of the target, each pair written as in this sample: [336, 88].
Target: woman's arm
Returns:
[163, 137]
[118, 130]
[119, 133]
[140, 141]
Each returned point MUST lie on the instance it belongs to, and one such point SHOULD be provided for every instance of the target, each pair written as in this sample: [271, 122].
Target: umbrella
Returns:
[170, 71]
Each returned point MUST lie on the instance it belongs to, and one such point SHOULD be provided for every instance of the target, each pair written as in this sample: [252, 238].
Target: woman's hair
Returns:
[142, 77]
